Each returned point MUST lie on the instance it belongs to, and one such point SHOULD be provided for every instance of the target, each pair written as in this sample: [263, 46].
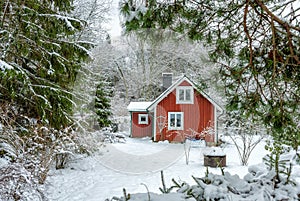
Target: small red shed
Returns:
[141, 121]
[181, 111]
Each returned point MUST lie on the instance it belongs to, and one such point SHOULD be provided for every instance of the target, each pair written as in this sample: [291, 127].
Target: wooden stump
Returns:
[215, 160]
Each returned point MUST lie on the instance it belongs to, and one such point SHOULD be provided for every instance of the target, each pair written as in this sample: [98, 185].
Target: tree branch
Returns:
[4, 13]
[277, 19]
[247, 32]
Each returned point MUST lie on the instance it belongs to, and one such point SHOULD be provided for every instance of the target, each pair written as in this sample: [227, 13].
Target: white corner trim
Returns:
[216, 137]
[154, 124]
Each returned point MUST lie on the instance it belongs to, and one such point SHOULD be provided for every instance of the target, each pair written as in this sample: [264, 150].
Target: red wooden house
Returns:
[181, 111]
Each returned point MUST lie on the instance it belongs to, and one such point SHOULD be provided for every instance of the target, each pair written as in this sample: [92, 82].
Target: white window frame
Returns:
[140, 118]
[184, 88]
[171, 127]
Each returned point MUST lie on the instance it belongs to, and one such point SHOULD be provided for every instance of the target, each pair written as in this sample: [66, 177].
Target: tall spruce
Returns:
[39, 58]
[102, 105]
[255, 42]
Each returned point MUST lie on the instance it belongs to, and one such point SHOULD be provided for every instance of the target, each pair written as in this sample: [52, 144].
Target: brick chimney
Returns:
[167, 80]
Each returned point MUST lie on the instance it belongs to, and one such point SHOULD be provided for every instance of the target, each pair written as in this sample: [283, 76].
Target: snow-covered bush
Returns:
[29, 142]
[281, 160]
[44, 146]
[258, 184]
[11, 144]
[17, 183]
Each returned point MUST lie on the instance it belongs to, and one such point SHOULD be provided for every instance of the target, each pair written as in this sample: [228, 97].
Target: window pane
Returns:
[172, 120]
[143, 119]
[181, 94]
[178, 122]
[187, 94]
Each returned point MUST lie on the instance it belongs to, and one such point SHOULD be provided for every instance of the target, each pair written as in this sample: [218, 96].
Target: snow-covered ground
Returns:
[134, 164]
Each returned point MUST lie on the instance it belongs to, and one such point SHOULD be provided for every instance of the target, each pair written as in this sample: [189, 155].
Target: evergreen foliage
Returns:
[255, 42]
[37, 43]
[39, 61]
[102, 106]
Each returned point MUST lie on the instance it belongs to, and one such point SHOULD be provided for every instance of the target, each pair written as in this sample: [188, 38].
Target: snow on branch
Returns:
[67, 20]
[5, 66]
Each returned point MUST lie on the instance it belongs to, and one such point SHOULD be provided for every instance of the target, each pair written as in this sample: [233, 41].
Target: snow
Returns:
[141, 158]
[68, 20]
[286, 11]
[5, 66]
[157, 197]
[138, 162]
[3, 162]
[138, 106]
[216, 151]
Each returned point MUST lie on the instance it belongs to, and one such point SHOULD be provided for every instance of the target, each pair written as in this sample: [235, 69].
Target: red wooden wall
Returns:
[140, 130]
[197, 117]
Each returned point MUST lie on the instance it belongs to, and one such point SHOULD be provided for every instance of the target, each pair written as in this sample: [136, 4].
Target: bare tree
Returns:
[245, 135]
[95, 15]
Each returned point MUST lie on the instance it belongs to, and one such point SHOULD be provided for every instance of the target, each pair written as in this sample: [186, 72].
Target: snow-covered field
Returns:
[134, 164]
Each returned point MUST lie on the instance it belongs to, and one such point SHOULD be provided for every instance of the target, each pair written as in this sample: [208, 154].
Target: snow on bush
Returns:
[258, 184]
[28, 148]
[17, 183]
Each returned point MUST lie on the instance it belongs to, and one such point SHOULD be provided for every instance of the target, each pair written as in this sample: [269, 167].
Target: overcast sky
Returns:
[114, 23]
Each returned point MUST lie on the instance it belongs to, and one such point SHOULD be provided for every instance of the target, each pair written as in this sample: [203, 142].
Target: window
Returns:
[175, 121]
[184, 95]
[143, 118]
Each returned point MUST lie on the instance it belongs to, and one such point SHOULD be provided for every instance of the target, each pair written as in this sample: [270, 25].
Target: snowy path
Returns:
[116, 166]
[126, 162]
[129, 165]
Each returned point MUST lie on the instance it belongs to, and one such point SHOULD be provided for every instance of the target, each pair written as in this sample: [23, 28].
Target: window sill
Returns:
[174, 129]
[184, 102]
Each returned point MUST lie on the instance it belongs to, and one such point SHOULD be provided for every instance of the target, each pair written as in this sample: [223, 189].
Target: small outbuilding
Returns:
[141, 121]
[181, 111]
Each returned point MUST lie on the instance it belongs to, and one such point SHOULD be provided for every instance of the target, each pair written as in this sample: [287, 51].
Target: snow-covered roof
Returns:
[138, 106]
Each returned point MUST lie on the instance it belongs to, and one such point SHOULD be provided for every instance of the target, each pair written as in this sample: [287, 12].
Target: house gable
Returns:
[183, 120]
[182, 82]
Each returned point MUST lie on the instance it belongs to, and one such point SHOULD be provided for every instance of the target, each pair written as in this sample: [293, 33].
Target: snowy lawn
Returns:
[137, 163]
